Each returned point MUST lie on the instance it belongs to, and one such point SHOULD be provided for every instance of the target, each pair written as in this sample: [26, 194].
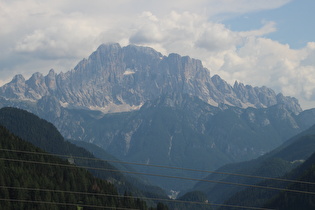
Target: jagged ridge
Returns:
[116, 78]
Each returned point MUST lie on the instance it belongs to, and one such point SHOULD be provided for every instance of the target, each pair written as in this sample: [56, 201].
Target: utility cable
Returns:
[133, 197]
[167, 167]
[158, 175]
[64, 204]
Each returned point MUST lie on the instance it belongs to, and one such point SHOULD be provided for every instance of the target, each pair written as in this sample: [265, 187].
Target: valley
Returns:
[134, 105]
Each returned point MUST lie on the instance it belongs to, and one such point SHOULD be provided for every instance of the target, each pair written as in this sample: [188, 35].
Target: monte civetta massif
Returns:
[142, 106]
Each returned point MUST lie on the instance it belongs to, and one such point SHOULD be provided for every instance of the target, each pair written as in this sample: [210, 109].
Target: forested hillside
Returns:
[298, 190]
[279, 161]
[45, 136]
[142, 106]
[36, 180]
[304, 198]
[273, 164]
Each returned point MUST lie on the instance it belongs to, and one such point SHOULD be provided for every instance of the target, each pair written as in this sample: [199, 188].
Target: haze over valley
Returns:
[176, 105]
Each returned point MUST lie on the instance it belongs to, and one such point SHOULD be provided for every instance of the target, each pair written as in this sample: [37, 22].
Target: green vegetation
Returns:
[175, 130]
[44, 135]
[26, 185]
[17, 182]
[273, 164]
[136, 180]
[299, 149]
[296, 200]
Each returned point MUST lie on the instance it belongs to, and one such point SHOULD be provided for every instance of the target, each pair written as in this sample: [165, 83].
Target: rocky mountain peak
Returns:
[290, 103]
[51, 73]
[115, 76]
[18, 79]
[139, 50]
[50, 80]
[14, 89]
[109, 48]
[37, 79]
[222, 85]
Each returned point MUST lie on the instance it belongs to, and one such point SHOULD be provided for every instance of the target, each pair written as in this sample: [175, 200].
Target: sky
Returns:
[257, 42]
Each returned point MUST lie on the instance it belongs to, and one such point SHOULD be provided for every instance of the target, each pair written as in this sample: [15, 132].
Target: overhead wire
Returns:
[159, 175]
[134, 197]
[64, 204]
[167, 167]
[185, 178]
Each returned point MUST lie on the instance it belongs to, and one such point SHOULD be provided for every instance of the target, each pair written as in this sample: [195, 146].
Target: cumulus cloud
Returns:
[216, 37]
[268, 27]
[148, 32]
[55, 29]
[266, 62]
[39, 35]
[226, 7]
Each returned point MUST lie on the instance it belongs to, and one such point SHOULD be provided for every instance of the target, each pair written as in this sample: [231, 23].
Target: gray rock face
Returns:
[175, 130]
[187, 118]
[116, 78]
[15, 89]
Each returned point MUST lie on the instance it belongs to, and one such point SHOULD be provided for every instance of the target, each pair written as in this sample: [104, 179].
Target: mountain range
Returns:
[274, 164]
[142, 106]
[44, 135]
[31, 178]
[122, 79]
[295, 152]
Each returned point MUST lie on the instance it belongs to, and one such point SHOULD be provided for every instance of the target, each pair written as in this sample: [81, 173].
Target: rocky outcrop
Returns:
[127, 77]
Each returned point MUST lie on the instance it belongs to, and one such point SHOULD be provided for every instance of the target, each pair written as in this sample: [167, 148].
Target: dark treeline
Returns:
[44, 135]
[15, 176]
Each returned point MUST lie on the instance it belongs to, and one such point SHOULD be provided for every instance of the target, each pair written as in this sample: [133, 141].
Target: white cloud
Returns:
[39, 35]
[225, 7]
[268, 27]
[216, 37]
[149, 32]
[262, 61]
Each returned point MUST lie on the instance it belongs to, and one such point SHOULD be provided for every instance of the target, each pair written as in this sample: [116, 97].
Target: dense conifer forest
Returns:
[38, 181]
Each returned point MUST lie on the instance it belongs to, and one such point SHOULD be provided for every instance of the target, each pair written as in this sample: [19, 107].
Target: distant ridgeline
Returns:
[294, 160]
[44, 135]
[141, 106]
[127, 77]
[37, 180]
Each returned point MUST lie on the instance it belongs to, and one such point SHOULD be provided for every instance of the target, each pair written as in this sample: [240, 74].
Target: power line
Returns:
[133, 197]
[158, 175]
[167, 167]
[64, 204]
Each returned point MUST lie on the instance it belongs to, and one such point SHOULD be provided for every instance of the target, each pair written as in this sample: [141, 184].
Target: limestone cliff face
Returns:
[186, 117]
[116, 78]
